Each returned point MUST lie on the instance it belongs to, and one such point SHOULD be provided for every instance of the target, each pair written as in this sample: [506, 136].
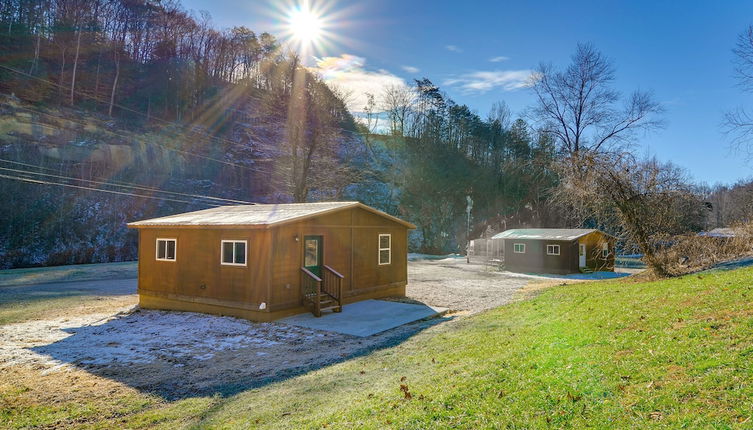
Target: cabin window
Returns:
[519, 248]
[385, 249]
[604, 250]
[166, 249]
[552, 250]
[234, 252]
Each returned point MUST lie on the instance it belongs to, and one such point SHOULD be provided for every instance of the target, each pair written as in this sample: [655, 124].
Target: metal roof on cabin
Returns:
[544, 233]
[261, 214]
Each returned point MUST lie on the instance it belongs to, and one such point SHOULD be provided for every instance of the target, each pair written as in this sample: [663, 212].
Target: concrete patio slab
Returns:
[365, 318]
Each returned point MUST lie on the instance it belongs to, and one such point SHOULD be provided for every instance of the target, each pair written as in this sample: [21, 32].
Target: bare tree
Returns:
[738, 122]
[646, 199]
[398, 102]
[579, 107]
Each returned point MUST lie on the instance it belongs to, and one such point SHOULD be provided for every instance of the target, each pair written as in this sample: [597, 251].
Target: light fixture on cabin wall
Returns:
[297, 239]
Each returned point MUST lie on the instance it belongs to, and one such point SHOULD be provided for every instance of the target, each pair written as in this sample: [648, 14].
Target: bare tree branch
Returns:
[578, 107]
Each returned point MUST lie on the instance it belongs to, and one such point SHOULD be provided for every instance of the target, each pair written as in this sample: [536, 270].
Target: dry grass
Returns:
[681, 255]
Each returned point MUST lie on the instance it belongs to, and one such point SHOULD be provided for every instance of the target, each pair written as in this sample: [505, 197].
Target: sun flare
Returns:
[305, 25]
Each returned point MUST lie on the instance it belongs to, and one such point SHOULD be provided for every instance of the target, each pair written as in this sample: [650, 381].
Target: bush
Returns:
[690, 253]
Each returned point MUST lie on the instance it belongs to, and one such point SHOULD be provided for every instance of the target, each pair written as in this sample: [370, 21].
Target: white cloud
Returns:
[453, 48]
[498, 59]
[349, 73]
[411, 69]
[483, 81]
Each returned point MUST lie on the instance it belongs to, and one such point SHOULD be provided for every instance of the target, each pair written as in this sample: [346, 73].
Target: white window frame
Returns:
[604, 250]
[156, 249]
[515, 248]
[552, 253]
[233, 241]
[380, 249]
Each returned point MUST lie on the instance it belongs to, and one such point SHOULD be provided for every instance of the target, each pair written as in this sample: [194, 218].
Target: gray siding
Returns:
[535, 259]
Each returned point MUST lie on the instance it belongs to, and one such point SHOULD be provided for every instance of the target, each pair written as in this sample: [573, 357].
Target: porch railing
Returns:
[311, 289]
[323, 293]
[333, 286]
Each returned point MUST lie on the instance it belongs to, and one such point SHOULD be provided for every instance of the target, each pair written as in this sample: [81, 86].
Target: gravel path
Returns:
[454, 284]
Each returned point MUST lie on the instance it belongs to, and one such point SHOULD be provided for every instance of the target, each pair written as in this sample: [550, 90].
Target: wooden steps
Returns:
[327, 303]
[322, 294]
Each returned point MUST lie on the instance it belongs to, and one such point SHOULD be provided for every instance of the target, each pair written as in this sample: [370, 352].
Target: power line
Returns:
[144, 141]
[39, 181]
[124, 183]
[219, 199]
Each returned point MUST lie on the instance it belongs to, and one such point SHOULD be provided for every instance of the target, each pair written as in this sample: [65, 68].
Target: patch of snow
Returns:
[735, 264]
[136, 337]
[595, 276]
[413, 256]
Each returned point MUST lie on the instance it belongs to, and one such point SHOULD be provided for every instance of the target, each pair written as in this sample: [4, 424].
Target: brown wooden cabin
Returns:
[267, 261]
[557, 250]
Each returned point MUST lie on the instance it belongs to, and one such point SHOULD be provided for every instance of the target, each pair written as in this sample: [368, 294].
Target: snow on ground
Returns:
[595, 276]
[735, 264]
[133, 336]
[414, 256]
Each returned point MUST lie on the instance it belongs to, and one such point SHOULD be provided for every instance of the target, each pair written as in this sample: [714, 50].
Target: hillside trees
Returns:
[443, 152]
[315, 131]
[99, 53]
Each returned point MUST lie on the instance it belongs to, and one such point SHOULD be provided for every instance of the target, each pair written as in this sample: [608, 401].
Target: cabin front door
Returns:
[312, 254]
[582, 255]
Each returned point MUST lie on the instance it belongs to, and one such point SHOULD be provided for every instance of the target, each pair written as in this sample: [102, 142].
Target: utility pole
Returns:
[468, 208]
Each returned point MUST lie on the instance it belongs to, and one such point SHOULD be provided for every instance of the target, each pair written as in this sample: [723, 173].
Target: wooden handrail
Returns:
[333, 285]
[328, 287]
[310, 273]
[311, 291]
[334, 272]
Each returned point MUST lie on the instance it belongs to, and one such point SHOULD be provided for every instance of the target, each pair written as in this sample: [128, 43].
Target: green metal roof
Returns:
[544, 233]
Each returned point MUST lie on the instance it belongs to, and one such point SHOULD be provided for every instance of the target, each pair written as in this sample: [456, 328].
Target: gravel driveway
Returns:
[454, 284]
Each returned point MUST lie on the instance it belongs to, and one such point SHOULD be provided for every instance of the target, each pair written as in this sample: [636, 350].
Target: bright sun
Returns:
[305, 25]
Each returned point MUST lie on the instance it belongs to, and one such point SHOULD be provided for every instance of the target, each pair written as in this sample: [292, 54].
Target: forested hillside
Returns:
[119, 110]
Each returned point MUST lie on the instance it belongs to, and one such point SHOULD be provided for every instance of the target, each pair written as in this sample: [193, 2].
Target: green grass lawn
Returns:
[74, 272]
[23, 298]
[617, 354]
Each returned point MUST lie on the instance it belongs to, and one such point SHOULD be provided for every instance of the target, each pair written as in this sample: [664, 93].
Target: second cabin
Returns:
[264, 262]
[557, 250]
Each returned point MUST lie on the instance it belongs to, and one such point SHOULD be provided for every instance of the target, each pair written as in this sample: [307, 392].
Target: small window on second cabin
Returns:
[166, 249]
[519, 248]
[385, 249]
[552, 250]
[234, 252]
[604, 250]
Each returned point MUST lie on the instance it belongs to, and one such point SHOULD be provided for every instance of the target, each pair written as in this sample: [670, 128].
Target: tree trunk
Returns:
[36, 55]
[96, 83]
[75, 66]
[114, 84]
[62, 71]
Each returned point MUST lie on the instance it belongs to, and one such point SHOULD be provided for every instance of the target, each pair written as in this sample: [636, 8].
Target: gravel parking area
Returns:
[452, 283]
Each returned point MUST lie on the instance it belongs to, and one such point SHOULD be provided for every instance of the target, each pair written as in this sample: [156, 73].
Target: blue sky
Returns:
[679, 50]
